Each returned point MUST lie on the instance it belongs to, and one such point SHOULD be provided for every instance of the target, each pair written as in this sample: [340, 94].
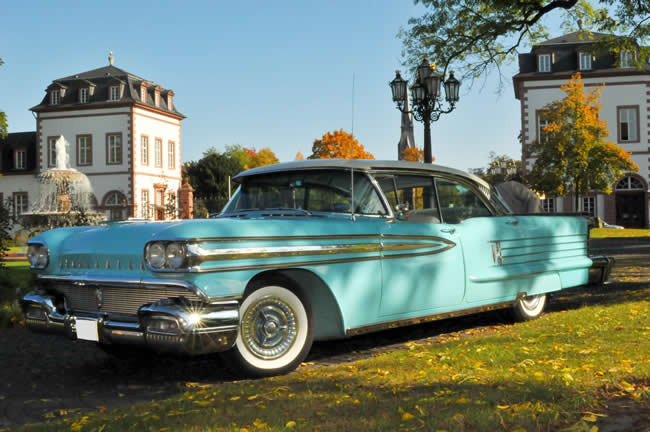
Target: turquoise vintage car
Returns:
[305, 251]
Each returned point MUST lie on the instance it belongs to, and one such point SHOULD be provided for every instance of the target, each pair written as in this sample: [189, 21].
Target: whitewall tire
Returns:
[529, 308]
[276, 331]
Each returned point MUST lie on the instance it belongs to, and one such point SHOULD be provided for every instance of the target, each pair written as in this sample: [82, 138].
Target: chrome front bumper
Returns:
[168, 325]
[600, 269]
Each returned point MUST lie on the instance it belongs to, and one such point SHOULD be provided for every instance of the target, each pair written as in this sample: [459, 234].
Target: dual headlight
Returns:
[37, 255]
[167, 255]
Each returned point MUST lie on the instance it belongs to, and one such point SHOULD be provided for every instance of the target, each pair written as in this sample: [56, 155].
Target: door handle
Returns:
[515, 222]
[448, 230]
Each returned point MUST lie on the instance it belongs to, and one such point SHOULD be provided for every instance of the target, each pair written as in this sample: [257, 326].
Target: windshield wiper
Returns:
[303, 211]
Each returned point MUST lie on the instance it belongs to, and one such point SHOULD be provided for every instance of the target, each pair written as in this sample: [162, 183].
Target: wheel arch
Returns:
[325, 309]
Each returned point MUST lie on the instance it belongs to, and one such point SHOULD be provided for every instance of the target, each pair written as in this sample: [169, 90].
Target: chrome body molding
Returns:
[411, 246]
[428, 318]
[166, 326]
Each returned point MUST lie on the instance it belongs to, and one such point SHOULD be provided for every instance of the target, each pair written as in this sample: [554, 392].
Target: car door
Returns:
[485, 238]
[422, 260]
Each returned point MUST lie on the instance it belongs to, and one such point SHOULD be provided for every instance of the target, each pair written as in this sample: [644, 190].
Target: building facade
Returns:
[122, 131]
[625, 100]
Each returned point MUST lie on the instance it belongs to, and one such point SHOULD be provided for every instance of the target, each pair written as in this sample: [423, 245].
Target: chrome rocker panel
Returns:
[199, 329]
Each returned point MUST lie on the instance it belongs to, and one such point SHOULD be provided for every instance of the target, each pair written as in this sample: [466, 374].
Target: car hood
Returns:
[120, 246]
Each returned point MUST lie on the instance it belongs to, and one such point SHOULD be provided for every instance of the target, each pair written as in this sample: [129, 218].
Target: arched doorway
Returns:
[631, 202]
[115, 203]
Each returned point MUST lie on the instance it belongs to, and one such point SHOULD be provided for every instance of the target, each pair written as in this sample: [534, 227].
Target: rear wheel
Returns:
[276, 331]
[529, 308]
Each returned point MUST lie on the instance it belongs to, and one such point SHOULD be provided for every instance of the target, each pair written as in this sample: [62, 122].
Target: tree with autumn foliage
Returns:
[249, 157]
[572, 155]
[338, 145]
[414, 154]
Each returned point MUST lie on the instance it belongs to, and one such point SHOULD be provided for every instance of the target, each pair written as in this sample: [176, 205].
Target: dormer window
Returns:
[170, 100]
[157, 101]
[156, 96]
[83, 95]
[627, 59]
[143, 94]
[114, 93]
[544, 63]
[55, 97]
[584, 61]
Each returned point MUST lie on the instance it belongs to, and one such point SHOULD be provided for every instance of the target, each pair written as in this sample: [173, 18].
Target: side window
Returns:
[458, 202]
[415, 191]
[366, 199]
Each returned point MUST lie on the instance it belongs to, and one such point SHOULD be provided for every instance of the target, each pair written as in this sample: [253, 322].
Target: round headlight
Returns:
[175, 255]
[33, 254]
[156, 255]
[37, 255]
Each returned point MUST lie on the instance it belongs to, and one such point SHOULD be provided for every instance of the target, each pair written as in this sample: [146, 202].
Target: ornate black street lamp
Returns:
[425, 93]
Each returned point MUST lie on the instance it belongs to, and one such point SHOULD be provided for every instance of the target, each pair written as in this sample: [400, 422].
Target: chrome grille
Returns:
[121, 300]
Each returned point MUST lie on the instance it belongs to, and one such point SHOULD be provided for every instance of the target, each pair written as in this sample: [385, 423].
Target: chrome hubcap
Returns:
[531, 302]
[269, 328]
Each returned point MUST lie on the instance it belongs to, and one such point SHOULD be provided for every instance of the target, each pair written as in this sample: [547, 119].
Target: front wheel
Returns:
[529, 308]
[276, 330]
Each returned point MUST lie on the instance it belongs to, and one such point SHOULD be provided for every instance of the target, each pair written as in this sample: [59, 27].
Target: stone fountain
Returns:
[65, 196]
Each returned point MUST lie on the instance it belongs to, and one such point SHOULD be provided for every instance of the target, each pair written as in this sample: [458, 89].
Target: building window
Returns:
[158, 153]
[114, 93]
[159, 202]
[144, 151]
[542, 135]
[548, 205]
[145, 204]
[55, 97]
[83, 95]
[584, 60]
[628, 124]
[20, 162]
[157, 99]
[84, 150]
[627, 59]
[113, 149]
[544, 63]
[589, 205]
[143, 94]
[629, 183]
[51, 151]
[171, 155]
[20, 203]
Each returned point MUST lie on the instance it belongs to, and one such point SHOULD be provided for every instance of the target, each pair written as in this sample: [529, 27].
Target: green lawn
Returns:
[618, 233]
[557, 372]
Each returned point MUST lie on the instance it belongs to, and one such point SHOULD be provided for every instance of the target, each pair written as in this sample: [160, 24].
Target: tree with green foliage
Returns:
[572, 155]
[500, 168]
[475, 37]
[209, 178]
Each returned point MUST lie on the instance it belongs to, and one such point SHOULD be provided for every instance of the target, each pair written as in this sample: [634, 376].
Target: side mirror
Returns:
[402, 211]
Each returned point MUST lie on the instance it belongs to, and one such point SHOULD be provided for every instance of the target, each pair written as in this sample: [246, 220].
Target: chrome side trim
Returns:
[204, 255]
[354, 331]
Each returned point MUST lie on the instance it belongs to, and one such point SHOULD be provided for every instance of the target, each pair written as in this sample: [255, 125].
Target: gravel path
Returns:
[43, 377]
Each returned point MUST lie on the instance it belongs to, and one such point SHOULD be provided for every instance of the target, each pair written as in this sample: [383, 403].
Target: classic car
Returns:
[306, 251]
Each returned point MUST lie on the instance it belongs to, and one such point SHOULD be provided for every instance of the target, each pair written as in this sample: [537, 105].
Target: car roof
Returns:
[359, 164]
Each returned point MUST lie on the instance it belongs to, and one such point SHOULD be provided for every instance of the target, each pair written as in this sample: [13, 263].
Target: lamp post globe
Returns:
[425, 93]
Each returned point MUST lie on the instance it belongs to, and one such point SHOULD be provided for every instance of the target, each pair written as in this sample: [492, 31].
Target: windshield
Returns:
[307, 190]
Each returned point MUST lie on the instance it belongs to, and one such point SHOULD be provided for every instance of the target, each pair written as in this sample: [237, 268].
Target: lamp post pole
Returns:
[425, 91]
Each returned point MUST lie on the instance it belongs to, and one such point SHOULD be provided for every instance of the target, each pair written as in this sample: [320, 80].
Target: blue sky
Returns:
[258, 73]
